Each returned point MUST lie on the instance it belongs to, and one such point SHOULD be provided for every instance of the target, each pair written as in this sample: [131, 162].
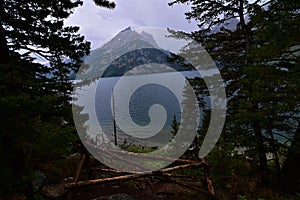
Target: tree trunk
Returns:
[290, 171]
[4, 53]
[263, 163]
[275, 153]
[79, 167]
[260, 148]
[244, 27]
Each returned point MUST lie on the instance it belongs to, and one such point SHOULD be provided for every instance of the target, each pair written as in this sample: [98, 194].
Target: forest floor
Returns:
[59, 173]
[142, 188]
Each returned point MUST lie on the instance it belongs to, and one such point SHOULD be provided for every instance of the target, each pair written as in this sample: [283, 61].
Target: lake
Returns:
[144, 106]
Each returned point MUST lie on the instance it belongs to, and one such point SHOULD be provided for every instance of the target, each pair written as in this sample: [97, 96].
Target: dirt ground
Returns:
[136, 189]
[144, 188]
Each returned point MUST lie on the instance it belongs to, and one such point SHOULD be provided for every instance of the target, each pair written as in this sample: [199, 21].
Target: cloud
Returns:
[100, 24]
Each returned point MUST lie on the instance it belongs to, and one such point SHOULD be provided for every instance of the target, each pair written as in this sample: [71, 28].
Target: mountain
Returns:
[126, 36]
[230, 25]
[128, 49]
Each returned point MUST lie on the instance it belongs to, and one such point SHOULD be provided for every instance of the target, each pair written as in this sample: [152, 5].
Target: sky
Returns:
[99, 24]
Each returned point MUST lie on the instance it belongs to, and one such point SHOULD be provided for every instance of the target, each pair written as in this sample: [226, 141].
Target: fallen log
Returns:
[107, 170]
[181, 176]
[131, 176]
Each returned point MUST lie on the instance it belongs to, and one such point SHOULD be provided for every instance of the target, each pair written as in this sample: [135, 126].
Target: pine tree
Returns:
[229, 47]
[278, 47]
[175, 126]
[36, 116]
[259, 67]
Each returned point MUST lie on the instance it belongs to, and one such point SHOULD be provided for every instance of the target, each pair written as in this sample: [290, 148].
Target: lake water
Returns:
[143, 106]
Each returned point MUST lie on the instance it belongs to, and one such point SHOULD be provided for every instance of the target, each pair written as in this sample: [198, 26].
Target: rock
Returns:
[120, 196]
[54, 191]
[68, 179]
[39, 180]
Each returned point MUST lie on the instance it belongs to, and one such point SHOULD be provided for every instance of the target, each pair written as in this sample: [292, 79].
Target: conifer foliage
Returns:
[256, 44]
[36, 118]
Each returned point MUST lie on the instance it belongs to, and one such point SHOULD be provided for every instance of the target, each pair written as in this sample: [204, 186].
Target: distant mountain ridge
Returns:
[125, 51]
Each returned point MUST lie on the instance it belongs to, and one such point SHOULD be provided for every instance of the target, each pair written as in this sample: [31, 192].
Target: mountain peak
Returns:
[141, 48]
[127, 36]
[127, 29]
